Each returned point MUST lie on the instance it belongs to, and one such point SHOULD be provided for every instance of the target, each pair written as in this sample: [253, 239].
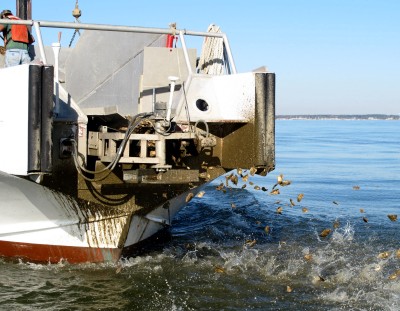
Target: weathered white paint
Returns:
[31, 213]
[34, 214]
[229, 98]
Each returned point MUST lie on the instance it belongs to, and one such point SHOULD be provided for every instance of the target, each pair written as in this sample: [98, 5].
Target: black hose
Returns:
[110, 167]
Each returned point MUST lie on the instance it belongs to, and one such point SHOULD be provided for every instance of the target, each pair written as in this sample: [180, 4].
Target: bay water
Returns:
[334, 247]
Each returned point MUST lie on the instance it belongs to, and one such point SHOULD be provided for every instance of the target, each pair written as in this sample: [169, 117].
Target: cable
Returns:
[205, 123]
[110, 167]
[186, 103]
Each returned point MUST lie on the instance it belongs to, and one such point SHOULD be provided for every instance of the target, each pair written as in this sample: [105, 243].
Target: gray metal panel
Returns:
[110, 64]
[158, 65]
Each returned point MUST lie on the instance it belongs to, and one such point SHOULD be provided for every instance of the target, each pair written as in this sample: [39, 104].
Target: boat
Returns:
[105, 141]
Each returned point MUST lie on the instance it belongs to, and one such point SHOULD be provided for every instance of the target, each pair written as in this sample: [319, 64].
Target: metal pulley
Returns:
[76, 12]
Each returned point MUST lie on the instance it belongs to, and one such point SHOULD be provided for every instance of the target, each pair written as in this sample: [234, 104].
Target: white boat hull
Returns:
[42, 225]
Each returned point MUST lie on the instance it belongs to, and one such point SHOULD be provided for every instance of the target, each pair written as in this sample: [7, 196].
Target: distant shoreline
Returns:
[339, 117]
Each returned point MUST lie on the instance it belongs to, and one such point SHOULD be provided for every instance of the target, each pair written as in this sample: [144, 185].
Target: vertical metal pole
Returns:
[172, 81]
[185, 52]
[153, 100]
[24, 9]
[160, 151]
[40, 42]
[56, 50]
[229, 52]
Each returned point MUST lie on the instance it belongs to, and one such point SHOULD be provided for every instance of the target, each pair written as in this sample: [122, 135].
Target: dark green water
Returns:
[220, 258]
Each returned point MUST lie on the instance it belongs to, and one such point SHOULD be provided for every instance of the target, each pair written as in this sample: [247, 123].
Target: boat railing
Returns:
[167, 31]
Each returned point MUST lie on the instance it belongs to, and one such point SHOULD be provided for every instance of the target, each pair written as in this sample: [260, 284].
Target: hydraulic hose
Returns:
[110, 167]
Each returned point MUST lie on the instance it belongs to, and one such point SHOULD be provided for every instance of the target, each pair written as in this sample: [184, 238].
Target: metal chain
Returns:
[73, 36]
[75, 13]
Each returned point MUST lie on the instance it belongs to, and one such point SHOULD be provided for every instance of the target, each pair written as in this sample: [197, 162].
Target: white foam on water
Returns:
[343, 235]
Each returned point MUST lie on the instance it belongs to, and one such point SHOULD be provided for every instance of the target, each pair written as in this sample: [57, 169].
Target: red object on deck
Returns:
[170, 41]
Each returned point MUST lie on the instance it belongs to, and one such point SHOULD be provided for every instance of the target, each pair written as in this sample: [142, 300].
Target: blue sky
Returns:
[330, 56]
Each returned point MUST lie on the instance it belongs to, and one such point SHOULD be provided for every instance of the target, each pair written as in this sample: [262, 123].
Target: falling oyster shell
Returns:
[264, 172]
[325, 233]
[377, 268]
[336, 224]
[227, 178]
[308, 257]
[291, 202]
[264, 189]
[244, 186]
[334, 202]
[362, 210]
[219, 269]
[234, 179]
[383, 255]
[394, 275]
[393, 217]
[205, 175]
[200, 194]
[304, 209]
[250, 243]
[300, 197]
[189, 197]
[119, 268]
[245, 177]
[239, 171]
[288, 289]
[257, 187]
[279, 210]
[285, 183]
[280, 178]
[281, 243]
[365, 219]
[318, 279]
[220, 187]
[233, 205]
[267, 229]
[251, 183]
[356, 187]
[275, 192]
[253, 170]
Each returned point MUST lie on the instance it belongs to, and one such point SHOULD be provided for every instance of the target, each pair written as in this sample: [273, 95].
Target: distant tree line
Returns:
[339, 117]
